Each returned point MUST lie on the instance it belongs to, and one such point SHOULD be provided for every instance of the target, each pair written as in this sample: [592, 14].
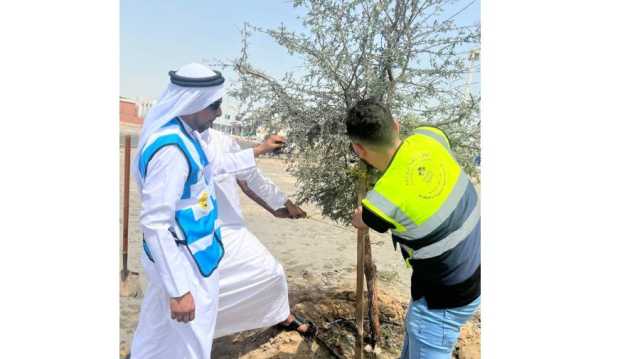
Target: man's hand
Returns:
[290, 211]
[183, 309]
[270, 144]
[295, 211]
[356, 220]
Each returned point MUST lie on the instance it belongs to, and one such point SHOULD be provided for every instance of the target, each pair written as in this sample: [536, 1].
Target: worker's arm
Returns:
[363, 218]
[162, 188]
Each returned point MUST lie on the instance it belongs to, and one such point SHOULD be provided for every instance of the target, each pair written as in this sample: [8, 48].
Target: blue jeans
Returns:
[433, 333]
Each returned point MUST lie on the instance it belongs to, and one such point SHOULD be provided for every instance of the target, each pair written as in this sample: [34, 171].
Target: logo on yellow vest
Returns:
[426, 176]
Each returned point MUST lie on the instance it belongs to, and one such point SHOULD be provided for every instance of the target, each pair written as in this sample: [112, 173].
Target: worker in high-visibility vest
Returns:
[433, 211]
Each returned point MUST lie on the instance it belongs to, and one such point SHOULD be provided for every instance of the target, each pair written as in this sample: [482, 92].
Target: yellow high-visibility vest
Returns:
[419, 190]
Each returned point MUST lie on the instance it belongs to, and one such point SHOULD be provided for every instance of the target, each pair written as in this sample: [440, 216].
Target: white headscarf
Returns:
[178, 101]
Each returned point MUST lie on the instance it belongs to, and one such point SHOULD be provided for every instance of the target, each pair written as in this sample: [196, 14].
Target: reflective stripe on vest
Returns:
[450, 241]
[436, 134]
[405, 227]
[173, 133]
[400, 198]
[196, 213]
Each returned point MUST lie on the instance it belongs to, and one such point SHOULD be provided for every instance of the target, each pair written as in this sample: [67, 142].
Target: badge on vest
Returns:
[427, 176]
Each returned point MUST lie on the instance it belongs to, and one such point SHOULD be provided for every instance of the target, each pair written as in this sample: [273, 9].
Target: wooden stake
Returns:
[125, 214]
[360, 272]
[360, 296]
[370, 272]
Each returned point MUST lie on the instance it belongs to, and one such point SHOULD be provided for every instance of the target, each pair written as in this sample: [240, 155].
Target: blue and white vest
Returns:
[196, 219]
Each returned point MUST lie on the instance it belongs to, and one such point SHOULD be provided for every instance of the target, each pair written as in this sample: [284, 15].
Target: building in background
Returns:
[129, 114]
[144, 105]
[228, 122]
[130, 120]
[133, 112]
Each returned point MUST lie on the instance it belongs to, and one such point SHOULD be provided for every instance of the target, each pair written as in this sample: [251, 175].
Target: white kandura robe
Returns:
[253, 286]
[174, 272]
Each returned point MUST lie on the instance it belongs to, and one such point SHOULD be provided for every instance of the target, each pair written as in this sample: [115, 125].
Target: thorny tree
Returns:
[411, 54]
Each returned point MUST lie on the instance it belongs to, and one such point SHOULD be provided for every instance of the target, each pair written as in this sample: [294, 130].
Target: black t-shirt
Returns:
[438, 296]
[374, 222]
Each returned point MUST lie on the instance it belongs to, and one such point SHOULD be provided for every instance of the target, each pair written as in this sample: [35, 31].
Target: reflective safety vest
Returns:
[427, 196]
[196, 214]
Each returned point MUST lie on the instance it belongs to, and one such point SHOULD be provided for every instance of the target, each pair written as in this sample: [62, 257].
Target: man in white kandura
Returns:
[253, 286]
[179, 216]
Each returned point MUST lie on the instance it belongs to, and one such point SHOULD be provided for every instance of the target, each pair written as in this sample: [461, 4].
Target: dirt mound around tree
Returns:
[333, 313]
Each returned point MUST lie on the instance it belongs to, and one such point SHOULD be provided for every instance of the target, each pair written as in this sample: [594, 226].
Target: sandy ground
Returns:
[315, 253]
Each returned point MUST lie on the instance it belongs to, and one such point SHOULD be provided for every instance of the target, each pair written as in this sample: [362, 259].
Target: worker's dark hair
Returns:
[370, 123]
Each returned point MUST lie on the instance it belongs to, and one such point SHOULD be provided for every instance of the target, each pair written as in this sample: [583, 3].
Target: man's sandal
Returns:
[296, 323]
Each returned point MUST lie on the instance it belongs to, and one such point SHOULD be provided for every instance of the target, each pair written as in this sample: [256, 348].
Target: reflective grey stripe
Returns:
[406, 247]
[434, 136]
[445, 210]
[201, 244]
[453, 239]
[390, 209]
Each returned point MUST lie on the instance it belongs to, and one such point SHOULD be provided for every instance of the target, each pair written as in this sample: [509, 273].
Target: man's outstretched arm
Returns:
[269, 190]
[264, 192]
[245, 188]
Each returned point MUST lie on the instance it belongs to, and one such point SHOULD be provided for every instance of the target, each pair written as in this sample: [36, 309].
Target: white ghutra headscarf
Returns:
[178, 100]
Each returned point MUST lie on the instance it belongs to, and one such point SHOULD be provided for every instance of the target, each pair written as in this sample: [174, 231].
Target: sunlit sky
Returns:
[158, 36]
